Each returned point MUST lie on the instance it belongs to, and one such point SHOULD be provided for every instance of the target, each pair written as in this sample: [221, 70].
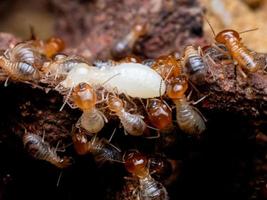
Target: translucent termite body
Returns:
[125, 46]
[22, 62]
[25, 52]
[232, 40]
[19, 70]
[133, 124]
[160, 116]
[41, 150]
[133, 79]
[188, 119]
[84, 96]
[194, 64]
[100, 148]
[61, 65]
[148, 189]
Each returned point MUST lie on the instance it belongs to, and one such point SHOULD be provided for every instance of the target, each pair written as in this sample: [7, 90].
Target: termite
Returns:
[25, 52]
[100, 148]
[53, 46]
[188, 119]
[19, 70]
[41, 150]
[132, 79]
[61, 65]
[133, 124]
[159, 114]
[194, 64]
[232, 41]
[84, 96]
[125, 46]
[167, 66]
[149, 189]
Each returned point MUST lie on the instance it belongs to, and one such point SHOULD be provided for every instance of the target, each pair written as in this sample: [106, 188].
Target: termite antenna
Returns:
[249, 30]
[209, 24]
[67, 98]
[110, 78]
[109, 140]
[59, 177]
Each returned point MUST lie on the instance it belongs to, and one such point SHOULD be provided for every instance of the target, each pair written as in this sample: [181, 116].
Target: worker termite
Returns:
[41, 150]
[133, 124]
[25, 52]
[101, 149]
[239, 52]
[194, 64]
[167, 66]
[125, 46]
[159, 114]
[188, 119]
[84, 96]
[19, 70]
[132, 79]
[149, 189]
[232, 40]
[60, 66]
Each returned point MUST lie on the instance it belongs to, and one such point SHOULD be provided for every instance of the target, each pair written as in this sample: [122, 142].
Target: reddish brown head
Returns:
[226, 35]
[177, 87]
[159, 114]
[136, 163]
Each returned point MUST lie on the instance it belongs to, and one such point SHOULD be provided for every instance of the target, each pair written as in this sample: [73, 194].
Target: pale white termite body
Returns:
[133, 79]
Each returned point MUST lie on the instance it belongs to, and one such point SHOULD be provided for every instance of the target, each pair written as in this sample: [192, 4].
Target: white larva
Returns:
[133, 79]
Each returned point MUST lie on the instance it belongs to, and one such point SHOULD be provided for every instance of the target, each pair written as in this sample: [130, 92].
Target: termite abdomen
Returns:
[41, 150]
[194, 64]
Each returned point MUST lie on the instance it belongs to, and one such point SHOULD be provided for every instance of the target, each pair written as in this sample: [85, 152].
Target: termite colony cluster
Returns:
[141, 94]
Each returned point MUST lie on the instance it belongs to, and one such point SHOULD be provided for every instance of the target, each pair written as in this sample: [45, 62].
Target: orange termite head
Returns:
[84, 96]
[177, 87]
[136, 163]
[115, 104]
[167, 66]
[140, 29]
[226, 35]
[53, 46]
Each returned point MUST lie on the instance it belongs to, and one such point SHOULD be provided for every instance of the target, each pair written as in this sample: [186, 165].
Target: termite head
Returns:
[167, 66]
[226, 35]
[159, 114]
[80, 143]
[136, 163]
[177, 87]
[115, 104]
[84, 96]
[140, 29]
[64, 162]
[53, 46]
